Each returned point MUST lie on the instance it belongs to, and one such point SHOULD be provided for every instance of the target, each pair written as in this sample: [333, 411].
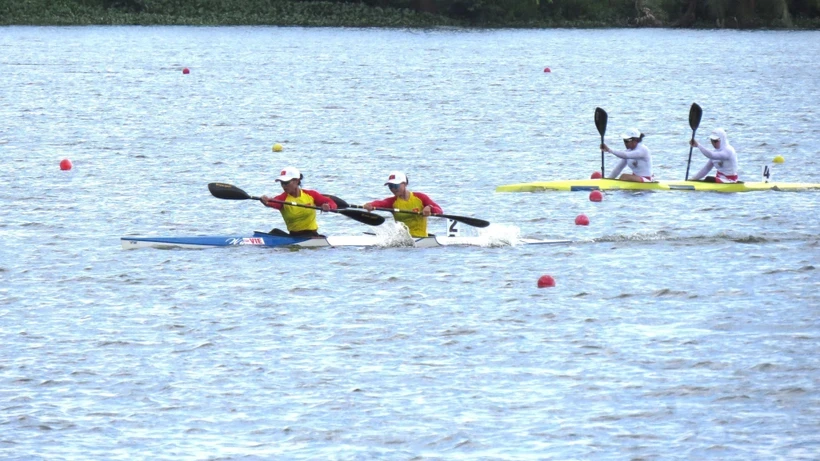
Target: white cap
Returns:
[714, 136]
[396, 177]
[289, 173]
[631, 133]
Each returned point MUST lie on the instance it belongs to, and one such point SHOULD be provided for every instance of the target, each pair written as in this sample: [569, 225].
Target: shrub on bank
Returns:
[419, 13]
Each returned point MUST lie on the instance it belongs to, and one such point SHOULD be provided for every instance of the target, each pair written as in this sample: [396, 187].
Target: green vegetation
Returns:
[419, 13]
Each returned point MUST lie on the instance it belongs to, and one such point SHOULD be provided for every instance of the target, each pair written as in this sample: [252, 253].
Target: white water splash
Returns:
[496, 235]
[394, 234]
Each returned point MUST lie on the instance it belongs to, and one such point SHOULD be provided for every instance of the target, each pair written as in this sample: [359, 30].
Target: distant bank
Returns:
[741, 14]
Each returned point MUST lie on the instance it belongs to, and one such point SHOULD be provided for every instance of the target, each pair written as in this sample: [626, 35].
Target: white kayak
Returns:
[264, 239]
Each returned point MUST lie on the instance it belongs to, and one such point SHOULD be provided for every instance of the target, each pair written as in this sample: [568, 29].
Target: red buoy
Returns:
[595, 175]
[65, 164]
[546, 281]
[186, 71]
[547, 70]
[581, 220]
[596, 196]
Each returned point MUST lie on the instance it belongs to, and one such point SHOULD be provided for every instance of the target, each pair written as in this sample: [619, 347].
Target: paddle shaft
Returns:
[302, 205]
[474, 222]
[689, 162]
[364, 217]
[230, 192]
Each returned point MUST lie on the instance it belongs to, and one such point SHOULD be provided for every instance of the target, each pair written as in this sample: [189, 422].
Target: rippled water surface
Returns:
[683, 325]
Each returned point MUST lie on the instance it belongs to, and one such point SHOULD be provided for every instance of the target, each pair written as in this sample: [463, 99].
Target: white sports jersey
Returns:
[724, 159]
[639, 160]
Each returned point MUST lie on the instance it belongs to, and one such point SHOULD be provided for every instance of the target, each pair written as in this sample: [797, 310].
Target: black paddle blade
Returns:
[227, 191]
[475, 222]
[340, 204]
[695, 113]
[364, 217]
[600, 120]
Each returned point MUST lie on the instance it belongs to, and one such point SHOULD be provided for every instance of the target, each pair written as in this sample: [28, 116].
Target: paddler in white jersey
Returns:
[723, 159]
[636, 155]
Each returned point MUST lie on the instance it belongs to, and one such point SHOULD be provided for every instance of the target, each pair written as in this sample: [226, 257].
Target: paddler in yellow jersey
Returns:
[404, 199]
[301, 221]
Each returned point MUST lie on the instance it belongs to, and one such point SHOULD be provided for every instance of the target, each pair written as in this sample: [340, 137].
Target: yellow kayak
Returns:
[616, 184]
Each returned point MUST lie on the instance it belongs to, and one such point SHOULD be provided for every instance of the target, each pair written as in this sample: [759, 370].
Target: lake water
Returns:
[682, 325]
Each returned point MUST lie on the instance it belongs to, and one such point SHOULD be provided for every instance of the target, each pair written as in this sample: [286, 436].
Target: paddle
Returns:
[475, 222]
[600, 123]
[695, 113]
[340, 204]
[230, 192]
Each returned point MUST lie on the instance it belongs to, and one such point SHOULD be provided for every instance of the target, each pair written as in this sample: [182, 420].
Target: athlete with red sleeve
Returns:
[404, 199]
[301, 221]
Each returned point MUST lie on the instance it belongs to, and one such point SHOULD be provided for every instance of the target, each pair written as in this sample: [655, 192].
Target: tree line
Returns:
[421, 13]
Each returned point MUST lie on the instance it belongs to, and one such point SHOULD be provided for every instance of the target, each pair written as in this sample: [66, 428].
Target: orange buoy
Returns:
[596, 196]
[581, 220]
[546, 281]
[65, 164]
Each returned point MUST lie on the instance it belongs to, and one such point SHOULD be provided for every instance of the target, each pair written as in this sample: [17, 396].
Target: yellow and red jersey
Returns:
[416, 224]
[299, 218]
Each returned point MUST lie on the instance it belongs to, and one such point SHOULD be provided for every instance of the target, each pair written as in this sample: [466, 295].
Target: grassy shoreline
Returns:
[295, 13]
[286, 14]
